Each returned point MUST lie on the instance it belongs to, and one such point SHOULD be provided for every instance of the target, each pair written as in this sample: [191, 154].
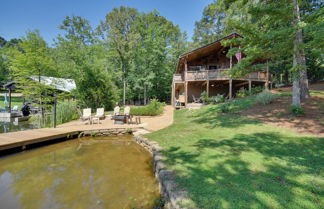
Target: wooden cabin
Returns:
[203, 69]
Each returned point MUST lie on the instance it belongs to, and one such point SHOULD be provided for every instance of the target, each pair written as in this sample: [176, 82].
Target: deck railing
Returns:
[215, 75]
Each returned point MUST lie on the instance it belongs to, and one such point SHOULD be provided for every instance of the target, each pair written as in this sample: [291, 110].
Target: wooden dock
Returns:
[23, 138]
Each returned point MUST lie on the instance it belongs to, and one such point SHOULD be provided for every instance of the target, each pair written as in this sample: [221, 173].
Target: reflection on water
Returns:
[100, 172]
[10, 125]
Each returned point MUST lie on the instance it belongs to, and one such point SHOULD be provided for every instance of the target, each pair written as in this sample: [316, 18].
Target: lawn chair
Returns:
[100, 113]
[129, 117]
[86, 115]
[117, 110]
[15, 108]
[195, 100]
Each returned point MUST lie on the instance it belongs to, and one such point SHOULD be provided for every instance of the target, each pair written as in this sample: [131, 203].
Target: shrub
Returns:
[256, 90]
[297, 110]
[153, 108]
[225, 107]
[204, 97]
[243, 93]
[218, 98]
[265, 97]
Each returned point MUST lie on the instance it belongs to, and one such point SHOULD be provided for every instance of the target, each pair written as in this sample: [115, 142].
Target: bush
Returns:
[256, 90]
[225, 107]
[265, 97]
[153, 108]
[243, 93]
[218, 98]
[204, 97]
[214, 99]
[297, 110]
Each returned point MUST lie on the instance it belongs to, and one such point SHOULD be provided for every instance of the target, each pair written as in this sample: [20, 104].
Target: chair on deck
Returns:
[117, 110]
[86, 114]
[100, 113]
[129, 117]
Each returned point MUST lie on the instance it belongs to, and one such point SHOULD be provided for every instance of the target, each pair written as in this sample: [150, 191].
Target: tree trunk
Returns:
[124, 92]
[144, 95]
[300, 82]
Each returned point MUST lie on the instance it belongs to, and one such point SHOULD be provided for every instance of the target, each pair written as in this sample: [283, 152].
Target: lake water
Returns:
[90, 172]
[9, 125]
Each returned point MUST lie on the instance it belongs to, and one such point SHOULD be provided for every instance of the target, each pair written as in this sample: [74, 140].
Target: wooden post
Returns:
[173, 95]
[231, 59]
[54, 115]
[9, 99]
[186, 93]
[250, 86]
[207, 88]
[186, 69]
[230, 81]
[267, 79]
[230, 89]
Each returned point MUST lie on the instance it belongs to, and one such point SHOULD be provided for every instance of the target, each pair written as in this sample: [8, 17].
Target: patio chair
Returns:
[195, 100]
[15, 108]
[100, 113]
[127, 110]
[86, 115]
[116, 110]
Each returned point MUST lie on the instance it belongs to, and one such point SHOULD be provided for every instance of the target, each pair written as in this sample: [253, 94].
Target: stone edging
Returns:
[175, 197]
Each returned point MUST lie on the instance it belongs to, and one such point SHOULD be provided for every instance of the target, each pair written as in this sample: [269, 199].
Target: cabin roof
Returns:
[62, 84]
[204, 50]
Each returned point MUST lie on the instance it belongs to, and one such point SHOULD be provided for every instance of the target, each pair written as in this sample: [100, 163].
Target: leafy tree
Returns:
[159, 43]
[30, 58]
[273, 31]
[80, 56]
[211, 26]
[117, 31]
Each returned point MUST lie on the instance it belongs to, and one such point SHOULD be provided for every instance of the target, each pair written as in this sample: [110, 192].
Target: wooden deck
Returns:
[23, 138]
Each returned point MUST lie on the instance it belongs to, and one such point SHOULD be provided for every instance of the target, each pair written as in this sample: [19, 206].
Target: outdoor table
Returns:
[120, 119]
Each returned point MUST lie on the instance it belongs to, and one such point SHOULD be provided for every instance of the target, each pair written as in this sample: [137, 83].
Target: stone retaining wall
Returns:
[174, 196]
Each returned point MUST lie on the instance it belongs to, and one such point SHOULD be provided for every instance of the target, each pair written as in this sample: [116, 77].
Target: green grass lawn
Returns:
[14, 101]
[227, 161]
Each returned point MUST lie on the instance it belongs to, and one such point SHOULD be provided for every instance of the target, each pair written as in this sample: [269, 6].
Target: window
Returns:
[212, 67]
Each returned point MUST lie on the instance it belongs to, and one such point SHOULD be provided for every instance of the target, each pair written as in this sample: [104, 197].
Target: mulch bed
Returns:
[277, 113]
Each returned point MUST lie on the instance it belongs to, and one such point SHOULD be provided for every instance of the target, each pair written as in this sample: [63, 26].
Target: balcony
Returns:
[216, 75]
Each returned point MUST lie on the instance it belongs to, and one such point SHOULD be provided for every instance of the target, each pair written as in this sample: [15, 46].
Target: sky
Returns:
[19, 16]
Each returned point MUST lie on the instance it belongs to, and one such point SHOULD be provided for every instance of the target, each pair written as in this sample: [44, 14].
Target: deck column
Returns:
[267, 78]
[173, 94]
[186, 93]
[250, 86]
[230, 89]
[207, 88]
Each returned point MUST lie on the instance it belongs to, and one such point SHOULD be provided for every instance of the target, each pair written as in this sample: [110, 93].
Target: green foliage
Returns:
[297, 110]
[218, 98]
[243, 93]
[211, 100]
[153, 108]
[265, 97]
[204, 97]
